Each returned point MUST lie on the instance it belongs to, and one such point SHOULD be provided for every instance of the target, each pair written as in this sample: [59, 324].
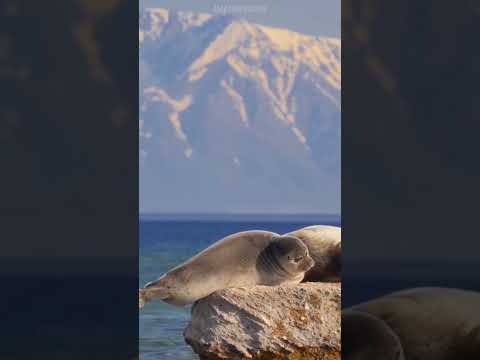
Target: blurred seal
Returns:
[429, 323]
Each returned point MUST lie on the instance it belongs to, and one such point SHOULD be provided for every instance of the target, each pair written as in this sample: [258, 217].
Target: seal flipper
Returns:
[153, 290]
[141, 298]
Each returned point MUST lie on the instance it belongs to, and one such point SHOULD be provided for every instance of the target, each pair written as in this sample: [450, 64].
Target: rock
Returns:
[282, 322]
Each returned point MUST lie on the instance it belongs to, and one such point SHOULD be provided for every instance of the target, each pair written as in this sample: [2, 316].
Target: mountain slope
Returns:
[237, 117]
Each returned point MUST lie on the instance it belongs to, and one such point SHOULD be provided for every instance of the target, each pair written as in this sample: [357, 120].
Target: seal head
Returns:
[285, 257]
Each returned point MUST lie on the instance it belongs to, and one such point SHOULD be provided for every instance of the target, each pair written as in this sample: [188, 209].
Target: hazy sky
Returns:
[314, 17]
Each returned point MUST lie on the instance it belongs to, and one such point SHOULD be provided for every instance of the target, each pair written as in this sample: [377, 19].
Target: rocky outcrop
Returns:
[283, 322]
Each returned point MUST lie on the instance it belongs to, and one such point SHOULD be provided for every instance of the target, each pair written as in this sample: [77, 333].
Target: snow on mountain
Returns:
[237, 117]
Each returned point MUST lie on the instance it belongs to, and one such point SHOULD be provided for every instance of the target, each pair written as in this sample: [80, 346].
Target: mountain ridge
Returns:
[251, 113]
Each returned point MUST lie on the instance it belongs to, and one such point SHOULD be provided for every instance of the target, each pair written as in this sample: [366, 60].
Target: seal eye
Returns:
[295, 260]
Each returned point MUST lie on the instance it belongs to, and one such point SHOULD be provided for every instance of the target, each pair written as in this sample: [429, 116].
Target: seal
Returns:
[243, 259]
[428, 323]
[324, 244]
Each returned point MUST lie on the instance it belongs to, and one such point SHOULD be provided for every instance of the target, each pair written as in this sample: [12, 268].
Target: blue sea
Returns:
[168, 241]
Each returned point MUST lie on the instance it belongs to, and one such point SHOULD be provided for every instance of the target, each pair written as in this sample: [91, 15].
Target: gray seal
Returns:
[324, 244]
[240, 260]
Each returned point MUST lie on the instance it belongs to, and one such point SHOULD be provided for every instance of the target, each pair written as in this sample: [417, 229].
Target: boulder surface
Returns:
[282, 322]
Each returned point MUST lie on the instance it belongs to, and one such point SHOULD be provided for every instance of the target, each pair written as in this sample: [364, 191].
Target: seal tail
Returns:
[142, 299]
[152, 290]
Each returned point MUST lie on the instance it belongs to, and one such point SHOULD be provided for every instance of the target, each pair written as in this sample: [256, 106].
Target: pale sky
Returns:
[313, 17]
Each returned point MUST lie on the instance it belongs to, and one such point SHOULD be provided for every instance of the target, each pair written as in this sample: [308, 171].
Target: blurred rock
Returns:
[284, 322]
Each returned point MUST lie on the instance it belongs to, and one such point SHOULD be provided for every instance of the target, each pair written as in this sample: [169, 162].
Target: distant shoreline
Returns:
[317, 218]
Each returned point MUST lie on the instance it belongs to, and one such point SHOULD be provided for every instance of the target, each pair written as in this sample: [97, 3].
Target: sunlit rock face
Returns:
[236, 116]
[268, 323]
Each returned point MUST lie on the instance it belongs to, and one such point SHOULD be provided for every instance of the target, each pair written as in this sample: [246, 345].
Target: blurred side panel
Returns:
[410, 145]
[69, 179]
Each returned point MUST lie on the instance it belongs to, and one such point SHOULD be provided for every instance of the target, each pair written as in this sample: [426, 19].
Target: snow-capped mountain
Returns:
[237, 117]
